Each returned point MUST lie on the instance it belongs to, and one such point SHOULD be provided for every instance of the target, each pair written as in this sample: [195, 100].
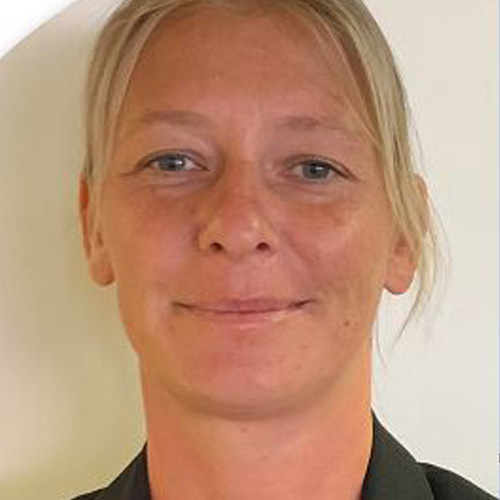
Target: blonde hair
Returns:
[376, 80]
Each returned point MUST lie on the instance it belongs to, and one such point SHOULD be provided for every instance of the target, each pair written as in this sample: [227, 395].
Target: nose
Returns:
[236, 219]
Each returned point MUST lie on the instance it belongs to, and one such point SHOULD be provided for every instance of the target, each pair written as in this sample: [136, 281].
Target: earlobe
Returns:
[404, 258]
[402, 267]
[100, 267]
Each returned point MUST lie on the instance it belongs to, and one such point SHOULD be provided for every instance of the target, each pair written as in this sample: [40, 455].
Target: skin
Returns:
[234, 407]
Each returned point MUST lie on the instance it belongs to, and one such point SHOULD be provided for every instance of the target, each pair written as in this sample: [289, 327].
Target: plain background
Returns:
[70, 415]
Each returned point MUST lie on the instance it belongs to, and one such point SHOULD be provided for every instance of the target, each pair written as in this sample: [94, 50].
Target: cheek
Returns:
[347, 251]
[147, 246]
[146, 242]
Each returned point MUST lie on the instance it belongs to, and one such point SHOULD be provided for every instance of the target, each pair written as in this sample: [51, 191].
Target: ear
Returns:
[402, 267]
[100, 266]
[404, 260]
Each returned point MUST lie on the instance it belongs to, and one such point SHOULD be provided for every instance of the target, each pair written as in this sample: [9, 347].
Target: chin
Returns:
[245, 396]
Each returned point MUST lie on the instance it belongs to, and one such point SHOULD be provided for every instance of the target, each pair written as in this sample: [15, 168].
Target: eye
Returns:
[318, 170]
[171, 162]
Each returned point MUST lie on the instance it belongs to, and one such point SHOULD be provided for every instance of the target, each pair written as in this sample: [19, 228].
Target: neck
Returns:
[319, 453]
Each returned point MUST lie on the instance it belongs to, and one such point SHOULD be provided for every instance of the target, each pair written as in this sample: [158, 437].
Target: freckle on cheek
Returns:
[347, 323]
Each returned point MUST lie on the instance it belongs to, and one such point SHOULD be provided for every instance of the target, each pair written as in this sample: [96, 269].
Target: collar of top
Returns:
[392, 474]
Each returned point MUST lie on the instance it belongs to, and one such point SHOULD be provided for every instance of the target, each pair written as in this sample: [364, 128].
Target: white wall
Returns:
[440, 395]
[70, 407]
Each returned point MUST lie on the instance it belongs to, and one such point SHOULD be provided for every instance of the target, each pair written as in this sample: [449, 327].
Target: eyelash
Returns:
[149, 163]
[314, 161]
[332, 168]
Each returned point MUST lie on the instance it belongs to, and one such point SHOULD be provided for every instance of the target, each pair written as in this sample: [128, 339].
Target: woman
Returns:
[249, 188]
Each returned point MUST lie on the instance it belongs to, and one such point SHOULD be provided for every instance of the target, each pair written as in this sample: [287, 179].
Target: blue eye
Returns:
[171, 162]
[318, 170]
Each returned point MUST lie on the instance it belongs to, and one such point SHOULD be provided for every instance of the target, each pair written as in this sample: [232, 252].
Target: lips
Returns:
[246, 306]
[253, 314]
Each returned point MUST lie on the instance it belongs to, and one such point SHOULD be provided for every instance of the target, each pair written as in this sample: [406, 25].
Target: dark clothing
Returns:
[392, 474]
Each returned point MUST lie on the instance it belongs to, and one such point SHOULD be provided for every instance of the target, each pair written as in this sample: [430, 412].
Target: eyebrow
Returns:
[185, 118]
[307, 123]
[174, 117]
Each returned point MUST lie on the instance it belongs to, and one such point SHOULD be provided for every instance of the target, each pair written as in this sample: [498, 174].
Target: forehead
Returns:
[212, 55]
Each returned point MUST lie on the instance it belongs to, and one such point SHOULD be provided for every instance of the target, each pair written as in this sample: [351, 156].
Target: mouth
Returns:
[246, 311]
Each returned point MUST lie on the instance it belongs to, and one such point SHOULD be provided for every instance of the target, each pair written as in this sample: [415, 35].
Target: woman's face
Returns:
[243, 216]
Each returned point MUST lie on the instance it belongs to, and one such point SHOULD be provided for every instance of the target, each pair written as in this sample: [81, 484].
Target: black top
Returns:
[392, 474]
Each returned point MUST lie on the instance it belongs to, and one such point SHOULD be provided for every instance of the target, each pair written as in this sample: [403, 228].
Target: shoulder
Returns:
[447, 485]
[131, 484]
[89, 496]
[393, 473]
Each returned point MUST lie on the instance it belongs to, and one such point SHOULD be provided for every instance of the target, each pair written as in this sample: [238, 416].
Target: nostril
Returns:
[217, 247]
[262, 246]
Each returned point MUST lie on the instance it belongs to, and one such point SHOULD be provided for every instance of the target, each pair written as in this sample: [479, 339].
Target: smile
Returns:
[245, 313]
